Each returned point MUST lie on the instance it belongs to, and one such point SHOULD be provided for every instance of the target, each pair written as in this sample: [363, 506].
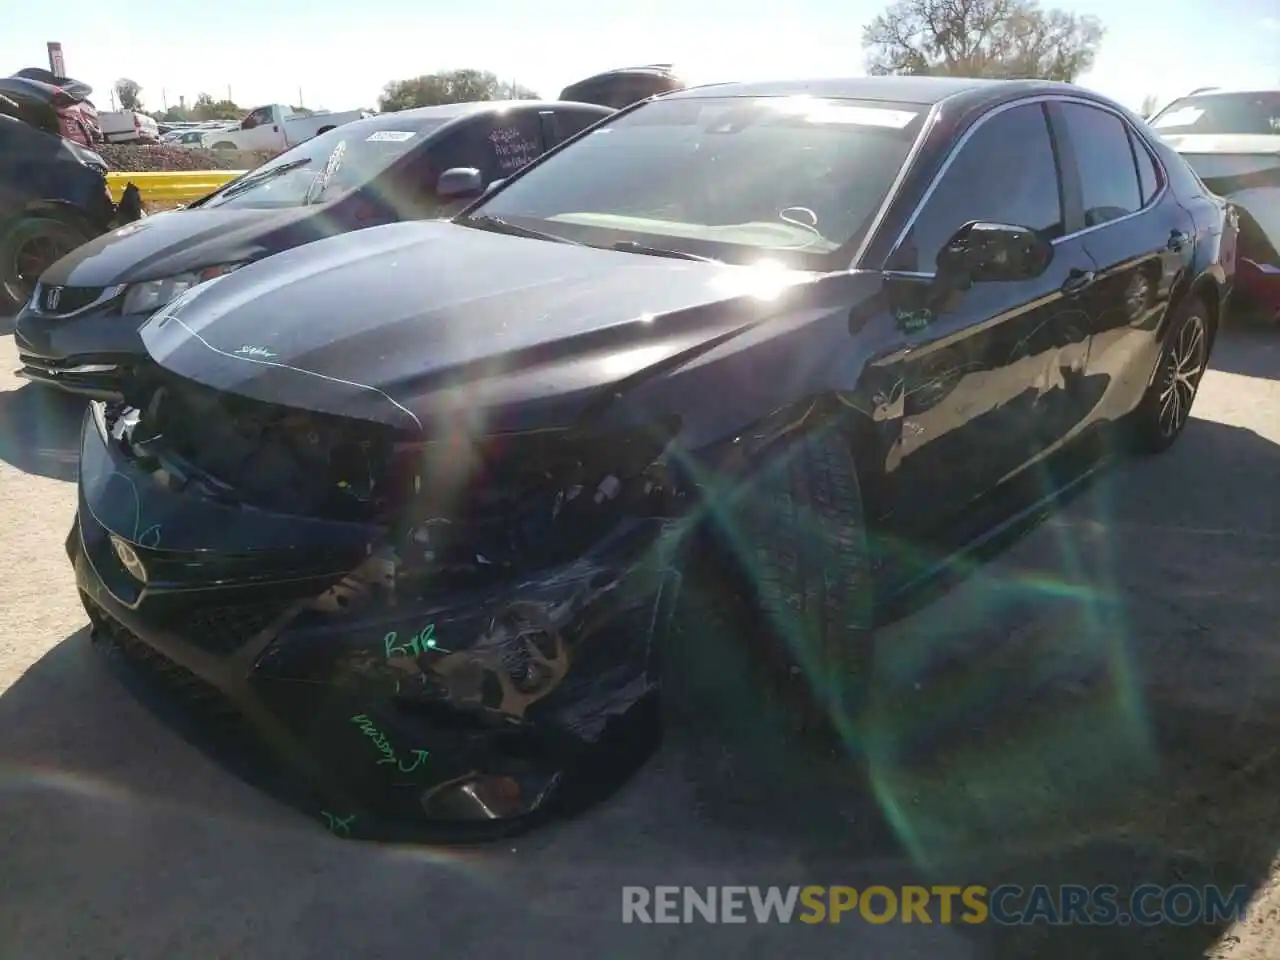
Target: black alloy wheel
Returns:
[1166, 407]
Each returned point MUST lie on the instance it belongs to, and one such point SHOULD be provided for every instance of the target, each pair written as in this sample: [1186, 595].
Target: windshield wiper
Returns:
[487, 221]
[253, 179]
[630, 246]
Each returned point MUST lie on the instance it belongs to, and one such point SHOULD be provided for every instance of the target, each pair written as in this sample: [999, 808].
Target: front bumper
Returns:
[444, 714]
[87, 353]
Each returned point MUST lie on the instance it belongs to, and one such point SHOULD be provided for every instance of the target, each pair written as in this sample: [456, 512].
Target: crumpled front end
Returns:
[455, 633]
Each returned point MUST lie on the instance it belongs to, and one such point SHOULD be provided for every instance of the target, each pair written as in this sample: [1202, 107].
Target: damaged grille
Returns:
[199, 700]
[225, 629]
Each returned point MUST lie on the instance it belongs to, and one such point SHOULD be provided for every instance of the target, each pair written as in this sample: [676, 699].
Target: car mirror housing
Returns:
[984, 252]
[460, 183]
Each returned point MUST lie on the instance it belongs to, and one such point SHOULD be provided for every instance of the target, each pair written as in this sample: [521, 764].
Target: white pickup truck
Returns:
[128, 126]
[276, 127]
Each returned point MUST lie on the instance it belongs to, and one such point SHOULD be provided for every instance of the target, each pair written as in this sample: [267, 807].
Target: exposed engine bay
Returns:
[453, 505]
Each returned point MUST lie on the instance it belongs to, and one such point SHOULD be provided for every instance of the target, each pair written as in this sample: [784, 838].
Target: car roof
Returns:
[920, 90]
[1227, 92]
[451, 111]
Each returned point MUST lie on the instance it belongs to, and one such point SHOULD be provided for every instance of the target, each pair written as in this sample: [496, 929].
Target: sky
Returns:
[337, 54]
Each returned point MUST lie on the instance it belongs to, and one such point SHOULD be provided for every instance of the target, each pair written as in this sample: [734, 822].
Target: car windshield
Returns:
[1221, 113]
[796, 178]
[326, 166]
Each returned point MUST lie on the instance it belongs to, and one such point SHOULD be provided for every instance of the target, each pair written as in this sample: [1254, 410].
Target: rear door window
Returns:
[514, 139]
[1109, 182]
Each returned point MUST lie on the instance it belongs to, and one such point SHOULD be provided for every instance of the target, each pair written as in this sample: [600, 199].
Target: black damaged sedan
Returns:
[411, 505]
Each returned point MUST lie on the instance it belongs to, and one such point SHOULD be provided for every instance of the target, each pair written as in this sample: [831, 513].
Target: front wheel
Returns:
[798, 531]
[224, 145]
[29, 246]
[1166, 407]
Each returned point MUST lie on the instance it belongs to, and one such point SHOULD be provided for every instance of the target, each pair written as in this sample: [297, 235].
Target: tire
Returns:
[323, 130]
[801, 543]
[224, 145]
[29, 245]
[1165, 408]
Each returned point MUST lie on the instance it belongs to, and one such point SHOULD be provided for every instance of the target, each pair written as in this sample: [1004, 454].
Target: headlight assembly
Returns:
[150, 295]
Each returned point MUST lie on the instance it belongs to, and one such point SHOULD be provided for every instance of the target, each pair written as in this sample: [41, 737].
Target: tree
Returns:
[449, 86]
[1149, 104]
[206, 108]
[128, 94]
[1007, 39]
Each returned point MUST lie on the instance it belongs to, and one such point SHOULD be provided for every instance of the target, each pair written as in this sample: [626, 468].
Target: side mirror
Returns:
[981, 252]
[460, 183]
[494, 186]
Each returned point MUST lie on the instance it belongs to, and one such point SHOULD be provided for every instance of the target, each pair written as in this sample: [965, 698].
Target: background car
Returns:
[624, 86]
[128, 126]
[80, 332]
[448, 472]
[1231, 138]
[53, 197]
[56, 105]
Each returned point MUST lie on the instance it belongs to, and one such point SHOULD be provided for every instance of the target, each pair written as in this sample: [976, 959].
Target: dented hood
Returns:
[416, 323]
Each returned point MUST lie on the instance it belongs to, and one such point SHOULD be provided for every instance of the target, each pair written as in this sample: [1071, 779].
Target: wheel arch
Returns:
[1209, 287]
[868, 446]
[62, 210]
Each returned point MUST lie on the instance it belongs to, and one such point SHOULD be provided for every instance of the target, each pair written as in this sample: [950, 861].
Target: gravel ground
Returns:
[146, 157]
[1097, 704]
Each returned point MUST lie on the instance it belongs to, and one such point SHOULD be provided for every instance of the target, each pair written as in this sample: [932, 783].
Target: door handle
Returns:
[1177, 240]
[1077, 280]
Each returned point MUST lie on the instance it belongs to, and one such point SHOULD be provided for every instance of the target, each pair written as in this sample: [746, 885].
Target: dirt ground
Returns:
[1098, 704]
[138, 157]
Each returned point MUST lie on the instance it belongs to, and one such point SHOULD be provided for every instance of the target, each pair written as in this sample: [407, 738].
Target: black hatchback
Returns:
[79, 330]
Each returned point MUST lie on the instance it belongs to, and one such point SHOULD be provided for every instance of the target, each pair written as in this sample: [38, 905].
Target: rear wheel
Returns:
[28, 247]
[224, 145]
[1166, 407]
[798, 534]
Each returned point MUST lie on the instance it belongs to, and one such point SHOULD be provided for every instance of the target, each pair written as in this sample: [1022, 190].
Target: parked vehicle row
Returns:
[279, 127]
[414, 500]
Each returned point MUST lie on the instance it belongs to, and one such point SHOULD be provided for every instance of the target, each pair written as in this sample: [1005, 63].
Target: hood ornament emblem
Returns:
[260, 353]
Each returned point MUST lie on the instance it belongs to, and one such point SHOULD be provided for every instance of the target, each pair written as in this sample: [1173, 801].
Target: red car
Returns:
[57, 105]
[1232, 140]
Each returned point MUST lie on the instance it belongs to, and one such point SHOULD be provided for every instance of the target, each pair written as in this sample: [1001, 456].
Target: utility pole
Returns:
[301, 102]
[164, 98]
[230, 99]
